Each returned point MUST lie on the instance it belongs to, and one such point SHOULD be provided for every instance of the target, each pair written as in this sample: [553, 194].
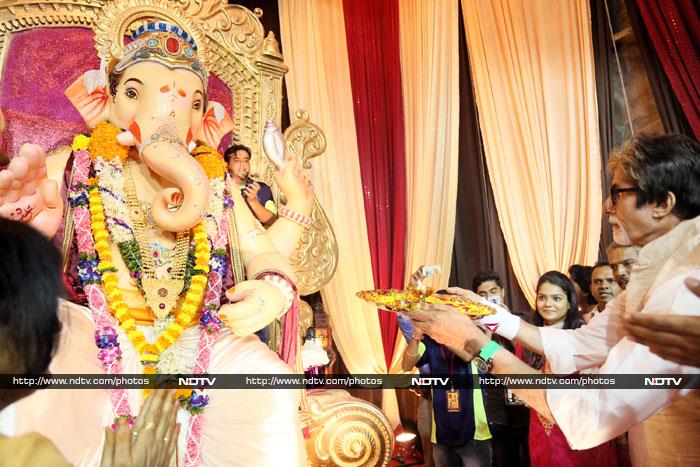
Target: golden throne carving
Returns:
[342, 430]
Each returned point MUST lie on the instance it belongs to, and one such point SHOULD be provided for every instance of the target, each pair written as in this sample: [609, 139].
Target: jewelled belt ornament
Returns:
[418, 294]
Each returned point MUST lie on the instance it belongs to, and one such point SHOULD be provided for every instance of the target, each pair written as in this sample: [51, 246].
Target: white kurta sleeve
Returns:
[589, 417]
[569, 350]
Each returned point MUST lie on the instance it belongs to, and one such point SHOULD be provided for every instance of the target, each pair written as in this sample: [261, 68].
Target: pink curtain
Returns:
[372, 32]
[674, 29]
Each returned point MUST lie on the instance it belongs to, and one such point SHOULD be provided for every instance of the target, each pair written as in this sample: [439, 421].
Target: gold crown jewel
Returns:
[160, 30]
[164, 43]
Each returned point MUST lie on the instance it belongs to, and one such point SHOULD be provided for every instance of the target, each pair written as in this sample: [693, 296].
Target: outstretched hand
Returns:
[448, 326]
[27, 195]
[673, 337]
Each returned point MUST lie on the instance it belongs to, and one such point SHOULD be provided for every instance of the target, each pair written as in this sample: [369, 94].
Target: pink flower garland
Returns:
[96, 299]
[105, 322]
[212, 302]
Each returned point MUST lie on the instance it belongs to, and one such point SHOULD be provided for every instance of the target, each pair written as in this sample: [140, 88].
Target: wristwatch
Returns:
[484, 360]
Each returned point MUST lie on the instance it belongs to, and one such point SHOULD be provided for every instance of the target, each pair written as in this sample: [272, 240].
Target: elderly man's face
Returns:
[629, 222]
[621, 260]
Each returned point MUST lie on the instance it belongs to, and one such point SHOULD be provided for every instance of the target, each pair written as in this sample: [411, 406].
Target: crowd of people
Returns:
[636, 313]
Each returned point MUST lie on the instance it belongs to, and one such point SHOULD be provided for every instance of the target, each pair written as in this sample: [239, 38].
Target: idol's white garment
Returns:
[663, 424]
[241, 426]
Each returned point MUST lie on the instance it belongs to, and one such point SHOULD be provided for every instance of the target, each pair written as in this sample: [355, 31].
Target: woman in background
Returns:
[580, 277]
[557, 306]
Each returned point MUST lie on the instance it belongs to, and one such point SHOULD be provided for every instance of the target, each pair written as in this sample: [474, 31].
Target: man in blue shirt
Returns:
[257, 195]
[460, 432]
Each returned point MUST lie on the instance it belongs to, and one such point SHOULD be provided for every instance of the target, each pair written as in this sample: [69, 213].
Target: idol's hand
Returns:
[295, 185]
[27, 195]
[257, 304]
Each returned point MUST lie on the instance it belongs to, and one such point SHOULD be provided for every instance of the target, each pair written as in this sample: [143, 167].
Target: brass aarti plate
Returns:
[412, 299]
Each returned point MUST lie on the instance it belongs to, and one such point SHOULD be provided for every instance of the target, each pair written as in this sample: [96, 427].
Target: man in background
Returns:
[621, 259]
[257, 195]
[603, 288]
[507, 415]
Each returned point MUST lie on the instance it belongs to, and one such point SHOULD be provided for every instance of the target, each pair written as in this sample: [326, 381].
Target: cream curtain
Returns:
[313, 40]
[533, 72]
[430, 84]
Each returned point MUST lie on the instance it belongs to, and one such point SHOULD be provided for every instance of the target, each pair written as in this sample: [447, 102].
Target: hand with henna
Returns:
[27, 195]
[673, 337]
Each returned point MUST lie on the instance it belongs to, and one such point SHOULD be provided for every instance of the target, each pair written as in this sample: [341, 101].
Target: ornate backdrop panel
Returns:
[39, 65]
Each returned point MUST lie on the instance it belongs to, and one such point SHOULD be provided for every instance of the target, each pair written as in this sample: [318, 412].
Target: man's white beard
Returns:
[620, 236]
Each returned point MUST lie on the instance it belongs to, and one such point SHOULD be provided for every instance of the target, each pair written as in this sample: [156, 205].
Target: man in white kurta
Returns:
[601, 414]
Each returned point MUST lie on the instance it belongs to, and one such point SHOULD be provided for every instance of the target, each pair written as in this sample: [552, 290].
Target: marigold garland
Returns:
[80, 142]
[211, 161]
[149, 352]
[103, 143]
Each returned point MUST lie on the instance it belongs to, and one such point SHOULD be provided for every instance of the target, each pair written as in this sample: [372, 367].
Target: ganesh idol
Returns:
[155, 229]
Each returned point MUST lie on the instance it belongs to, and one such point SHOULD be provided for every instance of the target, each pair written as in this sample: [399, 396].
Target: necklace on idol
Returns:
[161, 294]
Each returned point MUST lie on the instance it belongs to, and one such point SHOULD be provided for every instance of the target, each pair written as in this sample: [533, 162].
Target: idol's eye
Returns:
[197, 105]
[131, 93]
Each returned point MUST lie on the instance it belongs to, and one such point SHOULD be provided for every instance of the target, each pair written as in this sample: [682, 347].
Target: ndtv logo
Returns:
[662, 381]
[196, 381]
[429, 381]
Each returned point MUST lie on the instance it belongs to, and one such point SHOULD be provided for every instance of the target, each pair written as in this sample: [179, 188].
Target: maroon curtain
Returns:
[372, 31]
[674, 29]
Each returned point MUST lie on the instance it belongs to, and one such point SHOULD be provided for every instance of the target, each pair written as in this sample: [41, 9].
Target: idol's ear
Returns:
[90, 97]
[215, 124]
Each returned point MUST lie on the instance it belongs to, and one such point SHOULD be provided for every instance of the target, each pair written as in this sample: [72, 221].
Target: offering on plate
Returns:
[417, 294]
[412, 299]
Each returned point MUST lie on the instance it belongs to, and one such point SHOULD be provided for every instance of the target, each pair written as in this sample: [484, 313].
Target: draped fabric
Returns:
[667, 103]
[430, 84]
[375, 75]
[478, 246]
[604, 76]
[674, 29]
[313, 38]
[534, 81]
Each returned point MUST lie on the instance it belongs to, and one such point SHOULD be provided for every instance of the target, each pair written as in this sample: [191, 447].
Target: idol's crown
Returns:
[164, 43]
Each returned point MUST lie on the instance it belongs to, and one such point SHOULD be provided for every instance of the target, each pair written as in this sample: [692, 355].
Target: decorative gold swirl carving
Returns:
[304, 138]
[306, 317]
[346, 431]
[315, 258]
[233, 26]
